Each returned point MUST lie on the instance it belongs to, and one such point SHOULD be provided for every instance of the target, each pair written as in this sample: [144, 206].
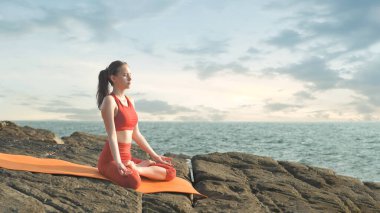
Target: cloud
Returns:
[85, 115]
[363, 107]
[250, 54]
[73, 18]
[133, 94]
[161, 107]
[339, 30]
[26, 100]
[54, 103]
[206, 47]
[253, 50]
[216, 117]
[273, 107]
[208, 114]
[366, 81]
[63, 17]
[74, 113]
[195, 118]
[62, 107]
[319, 114]
[286, 38]
[190, 118]
[245, 106]
[279, 4]
[80, 94]
[146, 47]
[348, 21]
[303, 95]
[213, 113]
[353, 24]
[313, 70]
[207, 69]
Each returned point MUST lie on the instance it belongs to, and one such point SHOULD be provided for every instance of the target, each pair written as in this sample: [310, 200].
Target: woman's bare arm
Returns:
[140, 139]
[107, 111]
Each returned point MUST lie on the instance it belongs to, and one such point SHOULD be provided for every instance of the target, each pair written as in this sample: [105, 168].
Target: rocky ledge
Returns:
[233, 182]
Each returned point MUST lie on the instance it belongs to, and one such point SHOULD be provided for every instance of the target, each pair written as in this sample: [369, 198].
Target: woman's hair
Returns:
[104, 75]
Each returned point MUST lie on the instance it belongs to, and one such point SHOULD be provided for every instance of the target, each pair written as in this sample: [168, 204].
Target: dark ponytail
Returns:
[104, 78]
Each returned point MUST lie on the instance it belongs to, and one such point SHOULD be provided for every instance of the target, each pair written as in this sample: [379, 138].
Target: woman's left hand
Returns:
[162, 159]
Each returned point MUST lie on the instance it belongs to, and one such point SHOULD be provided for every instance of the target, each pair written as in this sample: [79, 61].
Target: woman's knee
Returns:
[171, 173]
[110, 171]
[131, 181]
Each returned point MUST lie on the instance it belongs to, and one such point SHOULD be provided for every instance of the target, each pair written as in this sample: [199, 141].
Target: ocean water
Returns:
[349, 148]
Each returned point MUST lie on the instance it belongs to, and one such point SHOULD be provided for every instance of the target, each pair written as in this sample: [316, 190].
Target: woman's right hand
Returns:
[123, 170]
[130, 164]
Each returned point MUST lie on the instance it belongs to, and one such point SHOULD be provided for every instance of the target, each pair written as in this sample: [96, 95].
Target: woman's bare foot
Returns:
[146, 163]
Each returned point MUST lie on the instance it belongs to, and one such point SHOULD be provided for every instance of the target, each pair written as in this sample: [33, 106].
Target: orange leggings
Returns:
[108, 167]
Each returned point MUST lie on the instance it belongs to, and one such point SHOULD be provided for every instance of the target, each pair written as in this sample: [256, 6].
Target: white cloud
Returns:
[245, 60]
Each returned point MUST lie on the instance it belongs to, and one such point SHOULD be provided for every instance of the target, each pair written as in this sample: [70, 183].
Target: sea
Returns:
[349, 148]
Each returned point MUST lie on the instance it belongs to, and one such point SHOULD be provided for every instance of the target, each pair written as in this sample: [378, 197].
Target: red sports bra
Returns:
[126, 117]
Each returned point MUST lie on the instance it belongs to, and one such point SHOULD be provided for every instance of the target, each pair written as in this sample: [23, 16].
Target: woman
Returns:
[121, 122]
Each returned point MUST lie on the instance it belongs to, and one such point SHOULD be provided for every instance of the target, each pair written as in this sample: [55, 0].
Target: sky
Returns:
[209, 60]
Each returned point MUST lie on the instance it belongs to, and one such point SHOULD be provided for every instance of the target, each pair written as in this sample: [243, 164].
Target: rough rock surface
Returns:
[250, 183]
[233, 182]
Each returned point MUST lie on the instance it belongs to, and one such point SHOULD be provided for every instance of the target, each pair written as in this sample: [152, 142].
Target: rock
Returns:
[9, 131]
[14, 198]
[233, 182]
[250, 183]
[38, 192]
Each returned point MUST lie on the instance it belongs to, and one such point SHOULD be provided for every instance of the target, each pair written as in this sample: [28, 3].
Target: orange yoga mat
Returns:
[56, 166]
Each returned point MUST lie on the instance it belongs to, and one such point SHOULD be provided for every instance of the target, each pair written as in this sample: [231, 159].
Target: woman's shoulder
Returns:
[108, 100]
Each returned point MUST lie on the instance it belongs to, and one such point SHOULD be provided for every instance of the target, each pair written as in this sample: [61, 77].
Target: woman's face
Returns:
[123, 77]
